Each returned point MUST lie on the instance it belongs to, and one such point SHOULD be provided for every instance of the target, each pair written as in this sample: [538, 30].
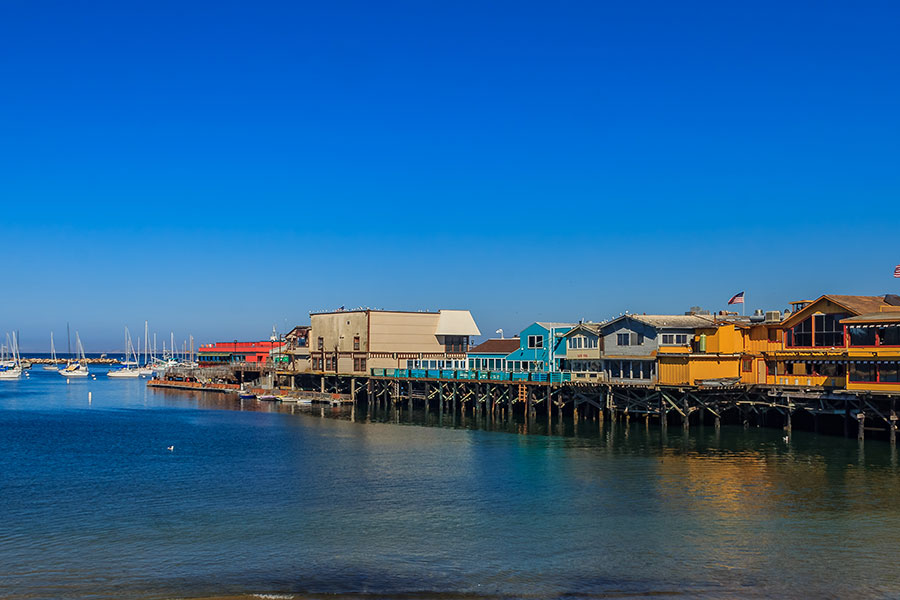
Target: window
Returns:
[773, 334]
[622, 339]
[409, 364]
[321, 343]
[359, 364]
[456, 343]
[329, 363]
[535, 341]
[801, 334]
[681, 338]
[888, 373]
[356, 343]
[861, 336]
[747, 365]
[862, 371]
[889, 336]
[614, 368]
[829, 331]
[668, 339]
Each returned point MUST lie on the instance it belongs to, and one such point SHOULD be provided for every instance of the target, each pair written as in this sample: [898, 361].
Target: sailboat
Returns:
[10, 367]
[77, 367]
[129, 370]
[146, 370]
[53, 366]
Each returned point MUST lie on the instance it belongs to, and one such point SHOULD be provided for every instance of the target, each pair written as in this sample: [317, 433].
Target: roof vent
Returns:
[773, 316]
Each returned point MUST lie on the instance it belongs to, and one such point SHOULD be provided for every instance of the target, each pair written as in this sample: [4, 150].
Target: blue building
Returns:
[541, 347]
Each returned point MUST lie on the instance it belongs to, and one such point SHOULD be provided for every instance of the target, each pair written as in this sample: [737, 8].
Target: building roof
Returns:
[456, 322]
[857, 305]
[591, 327]
[675, 321]
[882, 317]
[549, 325]
[495, 346]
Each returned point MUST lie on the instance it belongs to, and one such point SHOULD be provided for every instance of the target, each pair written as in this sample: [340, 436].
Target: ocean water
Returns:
[262, 500]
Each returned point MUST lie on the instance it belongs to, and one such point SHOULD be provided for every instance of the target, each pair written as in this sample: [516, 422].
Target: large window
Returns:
[674, 339]
[889, 336]
[889, 372]
[456, 343]
[860, 371]
[623, 339]
[861, 336]
[801, 333]
[535, 341]
[829, 331]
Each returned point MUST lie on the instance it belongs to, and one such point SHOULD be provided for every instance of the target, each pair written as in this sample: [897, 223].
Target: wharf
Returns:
[552, 397]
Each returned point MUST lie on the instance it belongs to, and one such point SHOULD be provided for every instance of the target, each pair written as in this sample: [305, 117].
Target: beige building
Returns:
[355, 341]
[584, 348]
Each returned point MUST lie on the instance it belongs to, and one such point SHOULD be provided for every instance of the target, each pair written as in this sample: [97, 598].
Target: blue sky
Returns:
[220, 167]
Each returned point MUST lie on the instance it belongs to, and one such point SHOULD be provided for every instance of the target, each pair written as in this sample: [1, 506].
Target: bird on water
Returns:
[170, 448]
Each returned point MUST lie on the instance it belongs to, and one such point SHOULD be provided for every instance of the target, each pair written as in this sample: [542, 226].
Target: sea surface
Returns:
[262, 500]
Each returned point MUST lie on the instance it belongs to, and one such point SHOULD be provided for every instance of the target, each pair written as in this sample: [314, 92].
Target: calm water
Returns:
[256, 499]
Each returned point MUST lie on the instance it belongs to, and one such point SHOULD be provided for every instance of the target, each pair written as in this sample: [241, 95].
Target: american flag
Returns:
[739, 297]
[897, 271]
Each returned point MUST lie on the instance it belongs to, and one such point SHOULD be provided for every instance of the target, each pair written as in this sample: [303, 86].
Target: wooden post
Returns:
[685, 418]
[892, 426]
[861, 429]
[353, 390]
[787, 420]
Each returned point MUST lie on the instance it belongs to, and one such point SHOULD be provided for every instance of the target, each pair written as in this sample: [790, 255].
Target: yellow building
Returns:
[816, 348]
[873, 351]
[355, 341]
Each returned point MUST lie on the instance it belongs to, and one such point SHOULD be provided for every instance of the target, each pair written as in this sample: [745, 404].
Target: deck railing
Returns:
[470, 375]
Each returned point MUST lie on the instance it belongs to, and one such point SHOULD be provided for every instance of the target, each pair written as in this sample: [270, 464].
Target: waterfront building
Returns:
[815, 351]
[873, 351]
[541, 348]
[223, 353]
[583, 352]
[355, 341]
[651, 349]
[296, 349]
[490, 355]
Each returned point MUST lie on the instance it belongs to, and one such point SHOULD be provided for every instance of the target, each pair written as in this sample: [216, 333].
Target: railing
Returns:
[472, 375]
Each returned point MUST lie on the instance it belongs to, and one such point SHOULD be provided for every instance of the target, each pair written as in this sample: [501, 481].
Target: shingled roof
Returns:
[495, 346]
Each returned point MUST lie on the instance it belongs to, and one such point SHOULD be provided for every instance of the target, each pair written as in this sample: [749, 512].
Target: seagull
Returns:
[171, 448]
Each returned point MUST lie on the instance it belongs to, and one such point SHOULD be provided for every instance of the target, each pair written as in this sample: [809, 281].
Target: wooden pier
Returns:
[816, 409]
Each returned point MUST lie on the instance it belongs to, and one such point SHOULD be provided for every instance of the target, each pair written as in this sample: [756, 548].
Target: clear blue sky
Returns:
[220, 167]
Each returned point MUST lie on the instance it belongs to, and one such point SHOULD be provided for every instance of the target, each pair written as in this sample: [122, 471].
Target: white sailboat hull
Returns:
[11, 373]
[124, 373]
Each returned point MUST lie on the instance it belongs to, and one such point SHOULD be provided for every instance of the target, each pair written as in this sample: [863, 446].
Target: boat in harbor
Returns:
[77, 367]
[131, 369]
[53, 366]
[10, 362]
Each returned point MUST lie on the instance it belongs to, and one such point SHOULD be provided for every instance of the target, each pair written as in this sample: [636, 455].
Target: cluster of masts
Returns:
[137, 362]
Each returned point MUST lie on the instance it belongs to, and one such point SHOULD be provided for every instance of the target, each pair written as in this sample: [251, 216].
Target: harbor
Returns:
[828, 365]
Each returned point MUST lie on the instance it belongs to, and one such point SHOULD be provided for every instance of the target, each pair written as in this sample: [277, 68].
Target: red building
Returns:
[222, 353]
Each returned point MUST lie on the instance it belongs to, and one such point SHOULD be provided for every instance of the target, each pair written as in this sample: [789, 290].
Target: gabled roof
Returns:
[670, 321]
[495, 346]
[589, 327]
[855, 305]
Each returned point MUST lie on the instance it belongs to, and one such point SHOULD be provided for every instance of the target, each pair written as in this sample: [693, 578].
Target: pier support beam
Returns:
[861, 428]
